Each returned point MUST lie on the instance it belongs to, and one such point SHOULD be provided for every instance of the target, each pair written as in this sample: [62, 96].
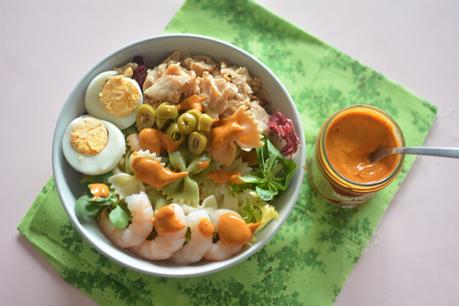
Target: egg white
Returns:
[100, 163]
[96, 109]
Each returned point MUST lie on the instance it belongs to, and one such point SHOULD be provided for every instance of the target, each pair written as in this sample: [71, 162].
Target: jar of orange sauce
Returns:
[340, 170]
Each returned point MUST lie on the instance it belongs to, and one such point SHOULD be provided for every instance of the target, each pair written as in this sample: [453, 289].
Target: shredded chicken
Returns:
[154, 74]
[199, 64]
[218, 92]
[226, 87]
[170, 86]
[260, 116]
[240, 77]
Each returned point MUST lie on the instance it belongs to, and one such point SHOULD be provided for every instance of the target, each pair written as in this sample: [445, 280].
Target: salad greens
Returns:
[119, 217]
[89, 206]
[272, 175]
[255, 210]
[251, 213]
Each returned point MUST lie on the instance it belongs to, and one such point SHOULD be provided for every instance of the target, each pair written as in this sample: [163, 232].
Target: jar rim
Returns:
[399, 134]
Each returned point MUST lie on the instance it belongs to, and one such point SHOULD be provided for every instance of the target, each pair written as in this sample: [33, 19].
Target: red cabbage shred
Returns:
[283, 128]
[140, 74]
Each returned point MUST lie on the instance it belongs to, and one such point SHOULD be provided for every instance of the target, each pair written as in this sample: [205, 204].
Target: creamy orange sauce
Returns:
[233, 229]
[352, 136]
[166, 221]
[151, 172]
[99, 190]
[224, 177]
[203, 165]
[238, 128]
[156, 141]
[192, 102]
[253, 226]
[223, 134]
[206, 227]
[150, 139]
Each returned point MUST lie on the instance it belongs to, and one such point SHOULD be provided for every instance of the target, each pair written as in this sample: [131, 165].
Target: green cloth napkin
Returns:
[309, 259]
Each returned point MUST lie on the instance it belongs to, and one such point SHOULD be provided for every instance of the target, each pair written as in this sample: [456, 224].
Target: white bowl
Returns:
[155, 50]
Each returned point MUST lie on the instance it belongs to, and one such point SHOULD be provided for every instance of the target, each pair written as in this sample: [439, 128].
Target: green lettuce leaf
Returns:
[118, 217]
[272, 175]
[255, 210]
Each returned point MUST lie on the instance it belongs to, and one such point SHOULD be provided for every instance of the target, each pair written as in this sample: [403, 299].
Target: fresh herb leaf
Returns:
[272, 175]
[85, 208]
[111, 199]
[118, 217]
[255, 210]
[290, 167]
[272, 150]
[187, 235]
[251, 213]
[265, 194]
[152, 235]
[215, 237]
[250, 179]
[88, 206]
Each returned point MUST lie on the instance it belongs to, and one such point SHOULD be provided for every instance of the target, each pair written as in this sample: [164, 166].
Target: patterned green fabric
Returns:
[309, 259]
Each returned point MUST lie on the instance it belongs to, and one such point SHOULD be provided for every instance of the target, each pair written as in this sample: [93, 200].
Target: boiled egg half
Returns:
[113, 97]
[93, 146]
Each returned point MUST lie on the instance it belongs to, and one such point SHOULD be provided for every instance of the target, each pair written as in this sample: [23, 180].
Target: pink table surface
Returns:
[46, 46]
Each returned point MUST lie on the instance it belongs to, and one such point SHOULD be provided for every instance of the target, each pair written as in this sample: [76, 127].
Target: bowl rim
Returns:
[60, 178]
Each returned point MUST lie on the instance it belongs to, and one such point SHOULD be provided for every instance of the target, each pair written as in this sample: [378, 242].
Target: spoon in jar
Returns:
[383, 152]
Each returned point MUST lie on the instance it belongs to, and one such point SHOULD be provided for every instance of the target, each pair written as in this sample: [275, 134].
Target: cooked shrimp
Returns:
[233, 233]
[170, 225]
[200, 241]
[141, 224]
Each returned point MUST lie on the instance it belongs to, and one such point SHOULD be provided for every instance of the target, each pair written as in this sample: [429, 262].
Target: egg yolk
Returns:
[119, 96]
[88, 136]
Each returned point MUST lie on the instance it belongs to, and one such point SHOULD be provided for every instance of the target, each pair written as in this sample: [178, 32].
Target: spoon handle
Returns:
[432, 151]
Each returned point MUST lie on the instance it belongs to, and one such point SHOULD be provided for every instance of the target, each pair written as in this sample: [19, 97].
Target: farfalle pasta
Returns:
[194, 167]
[185, 191]
[238, 131]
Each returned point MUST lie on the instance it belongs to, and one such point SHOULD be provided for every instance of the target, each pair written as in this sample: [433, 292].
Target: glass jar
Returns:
[333, 185]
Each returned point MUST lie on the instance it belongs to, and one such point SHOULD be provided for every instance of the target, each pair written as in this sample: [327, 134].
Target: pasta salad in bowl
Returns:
[179, 155]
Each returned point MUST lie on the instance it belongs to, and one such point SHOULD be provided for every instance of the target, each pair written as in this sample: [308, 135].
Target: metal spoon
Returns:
[382, 152]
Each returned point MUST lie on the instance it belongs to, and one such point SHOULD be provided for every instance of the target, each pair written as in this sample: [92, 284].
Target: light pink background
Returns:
[46, 46]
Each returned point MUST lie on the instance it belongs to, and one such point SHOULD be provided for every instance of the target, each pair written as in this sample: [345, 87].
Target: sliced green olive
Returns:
[187, 123]
[197, 114]
[197, 143]
[174, 133]
[145, 117]
[205, 123]
[167, 110]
